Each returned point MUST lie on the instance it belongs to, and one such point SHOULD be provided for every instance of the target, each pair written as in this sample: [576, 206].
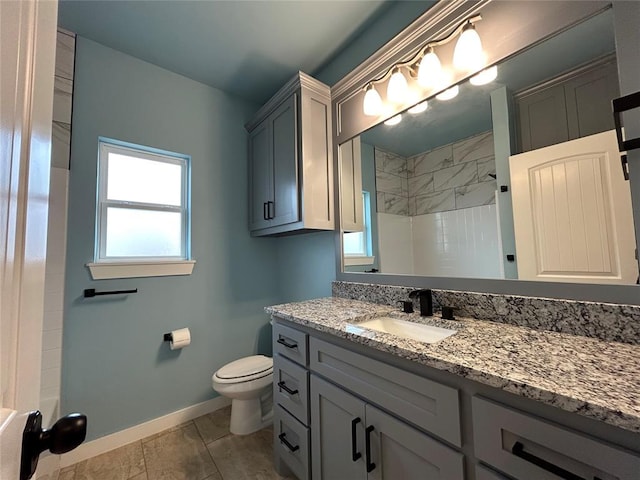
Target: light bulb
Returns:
[449, 93]
[468, 54]
[397, 89]
[372, 104]
[430, 69]
[394, 120]
[485, 76]
[419, 108]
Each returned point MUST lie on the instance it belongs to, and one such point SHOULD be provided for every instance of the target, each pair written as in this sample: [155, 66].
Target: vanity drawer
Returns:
[291, 442]
[527, 447]
[290, 343]
[291, 387]
[484, 473]
[429, 405]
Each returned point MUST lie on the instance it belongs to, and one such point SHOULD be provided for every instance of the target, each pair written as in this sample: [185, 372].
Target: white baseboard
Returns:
[138, 432]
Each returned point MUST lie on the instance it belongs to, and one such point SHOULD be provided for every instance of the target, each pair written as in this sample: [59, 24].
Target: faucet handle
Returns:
[407, 306]
[447, 313]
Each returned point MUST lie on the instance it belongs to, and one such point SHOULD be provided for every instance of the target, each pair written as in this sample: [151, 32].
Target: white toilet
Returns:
[248, 383]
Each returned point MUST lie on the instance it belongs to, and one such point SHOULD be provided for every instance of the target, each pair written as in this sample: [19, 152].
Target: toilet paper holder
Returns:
[168, 337]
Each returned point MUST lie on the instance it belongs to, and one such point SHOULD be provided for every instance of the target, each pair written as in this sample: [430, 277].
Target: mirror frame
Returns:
[534, 22]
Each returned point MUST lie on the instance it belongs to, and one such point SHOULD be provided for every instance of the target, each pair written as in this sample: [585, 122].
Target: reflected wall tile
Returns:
[485, 167]
[435, 202]
[65, 52]
[60, 145]
[396, 204]
[390, 183]
[433, 160]
[473, 148]
[380, 202]
[412, 206]
[456, 176]
[390, 162]
[62, 91]
[476, 194]
[421, 184]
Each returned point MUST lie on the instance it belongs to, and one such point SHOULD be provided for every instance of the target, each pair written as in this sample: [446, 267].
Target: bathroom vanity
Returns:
[491, 401]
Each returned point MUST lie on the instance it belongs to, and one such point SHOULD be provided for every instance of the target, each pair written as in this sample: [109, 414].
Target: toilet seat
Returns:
[245, 370]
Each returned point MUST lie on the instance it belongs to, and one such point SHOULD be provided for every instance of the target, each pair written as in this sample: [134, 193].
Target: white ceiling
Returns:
[248, 48]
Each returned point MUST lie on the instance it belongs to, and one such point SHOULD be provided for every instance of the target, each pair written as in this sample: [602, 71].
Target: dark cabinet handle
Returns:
[355, 455]
[271, 210]
[284, 387]
[282, 341]
[292, 448]
[518, 451]
[265, 211]
[367, 448]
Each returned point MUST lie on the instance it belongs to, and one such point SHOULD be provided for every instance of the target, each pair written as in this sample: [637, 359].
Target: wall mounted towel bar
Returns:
[91, 292]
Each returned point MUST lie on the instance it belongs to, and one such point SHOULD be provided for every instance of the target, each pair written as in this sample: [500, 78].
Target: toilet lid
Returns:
[245, 367]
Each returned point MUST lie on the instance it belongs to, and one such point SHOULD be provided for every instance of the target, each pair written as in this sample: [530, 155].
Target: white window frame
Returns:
[365, 257]
[125, 267]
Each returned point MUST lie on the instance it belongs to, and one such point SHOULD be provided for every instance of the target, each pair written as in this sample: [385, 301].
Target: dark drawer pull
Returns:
[622, 104]
[292, 448]
[355, 454]
[265, 211]
[367, 448]
[282, 341]
[271, 210]
[284, 387]
[518, 451]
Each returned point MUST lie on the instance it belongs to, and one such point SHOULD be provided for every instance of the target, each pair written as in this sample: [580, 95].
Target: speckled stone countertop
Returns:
[590, 377]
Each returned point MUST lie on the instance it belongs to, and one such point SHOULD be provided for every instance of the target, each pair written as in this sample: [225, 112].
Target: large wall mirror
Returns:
[516, 177]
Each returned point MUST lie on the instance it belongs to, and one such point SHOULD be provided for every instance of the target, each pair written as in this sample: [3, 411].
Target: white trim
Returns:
[138, 432]
[357, 260]
[106, 270]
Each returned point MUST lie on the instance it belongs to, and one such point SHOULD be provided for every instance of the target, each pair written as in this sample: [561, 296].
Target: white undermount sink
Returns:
[402, 328]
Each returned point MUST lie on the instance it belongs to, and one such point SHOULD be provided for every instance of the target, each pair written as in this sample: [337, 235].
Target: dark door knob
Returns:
[65, 435]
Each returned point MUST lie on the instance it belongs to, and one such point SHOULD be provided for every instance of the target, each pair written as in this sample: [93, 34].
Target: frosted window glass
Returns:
[143, 233]
[135, 179]
[354, 244]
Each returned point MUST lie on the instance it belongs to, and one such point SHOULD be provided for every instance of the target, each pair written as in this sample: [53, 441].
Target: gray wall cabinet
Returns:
[422, 422]
[575, 105]
[290, 161]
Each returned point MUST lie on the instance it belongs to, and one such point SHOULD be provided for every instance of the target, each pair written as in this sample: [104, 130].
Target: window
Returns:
[357, 245]
[142, 212]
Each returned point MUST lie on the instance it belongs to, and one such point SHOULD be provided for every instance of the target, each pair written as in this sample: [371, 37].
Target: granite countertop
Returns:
[590, 377]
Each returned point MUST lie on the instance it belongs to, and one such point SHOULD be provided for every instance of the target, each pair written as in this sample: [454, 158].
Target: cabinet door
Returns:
[284, 131]
[543, 119]
[350, 162]
[334, 414]
[260, 176]
[400, 451]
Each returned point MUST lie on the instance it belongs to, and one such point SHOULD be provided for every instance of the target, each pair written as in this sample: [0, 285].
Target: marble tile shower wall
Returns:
[451, 177]
[605, 321]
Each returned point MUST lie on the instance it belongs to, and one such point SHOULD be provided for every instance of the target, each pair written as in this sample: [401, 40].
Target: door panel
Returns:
[261, 176]
[402, 452]
[286, 208]
[332, 413]
[572, 213]
[350, 161]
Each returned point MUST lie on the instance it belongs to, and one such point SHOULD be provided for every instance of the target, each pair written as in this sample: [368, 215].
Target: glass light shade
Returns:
[394, 120]
[485, 76]
[430, 70]
[419, 108]
[468, 54]
[372, 104]
[449, 93]
[397, 89]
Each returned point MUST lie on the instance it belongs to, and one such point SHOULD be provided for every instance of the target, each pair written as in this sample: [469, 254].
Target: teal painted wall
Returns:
[116, 368]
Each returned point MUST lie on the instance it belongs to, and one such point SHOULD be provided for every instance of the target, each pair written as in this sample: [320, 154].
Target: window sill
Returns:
[106, 270]
[348, 261]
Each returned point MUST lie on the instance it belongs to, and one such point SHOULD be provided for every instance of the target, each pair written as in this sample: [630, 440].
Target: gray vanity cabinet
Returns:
[343, 426]
[290, 161]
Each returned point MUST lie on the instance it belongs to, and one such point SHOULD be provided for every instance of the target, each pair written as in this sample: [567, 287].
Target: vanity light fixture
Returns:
[372, 102]
[485, 76]
[419, 108]
[468, 54]
[449, 93]
[394, 120]
[426, 69]
[397, 89]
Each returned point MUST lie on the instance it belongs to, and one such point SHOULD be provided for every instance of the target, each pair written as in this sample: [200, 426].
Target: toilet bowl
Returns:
[248, 383]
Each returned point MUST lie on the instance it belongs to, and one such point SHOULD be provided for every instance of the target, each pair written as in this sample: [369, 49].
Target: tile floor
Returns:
[202, 449]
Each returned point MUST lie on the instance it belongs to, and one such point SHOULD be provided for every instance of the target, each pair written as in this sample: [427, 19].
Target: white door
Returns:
[572, 213]
[27, 47]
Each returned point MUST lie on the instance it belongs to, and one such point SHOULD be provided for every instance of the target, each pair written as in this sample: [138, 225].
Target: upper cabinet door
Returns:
[286, 202]
[350, 162]
[260, 177]
[572, 213]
